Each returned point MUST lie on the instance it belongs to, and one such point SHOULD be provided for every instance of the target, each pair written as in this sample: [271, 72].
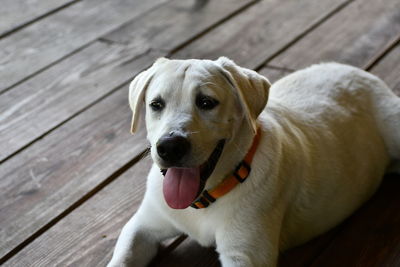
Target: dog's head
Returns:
[193, 108]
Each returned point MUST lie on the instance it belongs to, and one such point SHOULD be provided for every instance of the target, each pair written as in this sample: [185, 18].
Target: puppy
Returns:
[249, 178]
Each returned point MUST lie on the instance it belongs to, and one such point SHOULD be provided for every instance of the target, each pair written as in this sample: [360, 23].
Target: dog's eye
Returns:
[206, 102]
[157, 105]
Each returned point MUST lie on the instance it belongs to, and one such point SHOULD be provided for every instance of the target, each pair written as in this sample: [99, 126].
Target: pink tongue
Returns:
[181, 186]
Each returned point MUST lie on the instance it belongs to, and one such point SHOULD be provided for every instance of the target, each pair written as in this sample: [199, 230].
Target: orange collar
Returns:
[240, 174]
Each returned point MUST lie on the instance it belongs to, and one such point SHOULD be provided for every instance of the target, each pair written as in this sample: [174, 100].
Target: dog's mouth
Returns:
[182, 186]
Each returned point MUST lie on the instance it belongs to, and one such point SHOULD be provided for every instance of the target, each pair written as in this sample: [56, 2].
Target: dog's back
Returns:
[335, 87]
[350, 121]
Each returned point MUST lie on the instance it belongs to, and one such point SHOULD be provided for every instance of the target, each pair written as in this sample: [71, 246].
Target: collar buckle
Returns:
[242, 171]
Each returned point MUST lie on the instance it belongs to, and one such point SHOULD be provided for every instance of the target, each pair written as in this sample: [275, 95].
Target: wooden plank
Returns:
[35, 107]
[56, 94]
[388, 68]
[39, 184]
[175, 19]
[87, 236]
[38, 45]
[355, 34]
[16, 13]
[57, 171]
[262, 31]
[273, 74]
[373, 236]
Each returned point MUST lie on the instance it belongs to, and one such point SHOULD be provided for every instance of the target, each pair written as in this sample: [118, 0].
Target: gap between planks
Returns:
[39, 17]
[222, 21]
[76, 36]
[75, 205]
[300, 36]
[72, 116]
[381, 54]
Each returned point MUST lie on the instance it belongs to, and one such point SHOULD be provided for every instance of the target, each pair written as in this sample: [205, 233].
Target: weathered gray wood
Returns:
[15, 13]
[273, 74]
[86, 237]
[36, 46]
[44, 180]
[260, 32]
[43, 102]
[34, 107]
[354, 35]
[164, 26]
[389, 69]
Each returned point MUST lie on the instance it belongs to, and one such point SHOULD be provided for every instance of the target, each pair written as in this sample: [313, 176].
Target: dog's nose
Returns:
[172, 148]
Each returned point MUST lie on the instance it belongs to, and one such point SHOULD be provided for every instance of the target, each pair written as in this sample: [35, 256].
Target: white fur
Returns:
[328, 134]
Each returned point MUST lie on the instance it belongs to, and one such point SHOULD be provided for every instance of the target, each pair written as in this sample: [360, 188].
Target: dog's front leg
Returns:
[139, 239]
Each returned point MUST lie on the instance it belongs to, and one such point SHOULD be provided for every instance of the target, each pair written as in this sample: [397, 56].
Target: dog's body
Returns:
[328, 134]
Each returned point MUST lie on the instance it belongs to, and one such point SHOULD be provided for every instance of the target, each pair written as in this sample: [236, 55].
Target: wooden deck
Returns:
[71, 174]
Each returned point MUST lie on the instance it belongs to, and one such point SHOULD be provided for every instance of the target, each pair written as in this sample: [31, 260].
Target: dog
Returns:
[252, 178]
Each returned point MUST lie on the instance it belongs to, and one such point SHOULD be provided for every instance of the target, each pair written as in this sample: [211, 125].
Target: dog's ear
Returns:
[137, 90]
[252, 88]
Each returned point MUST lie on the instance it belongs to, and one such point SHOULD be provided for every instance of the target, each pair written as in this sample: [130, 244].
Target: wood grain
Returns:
[36, 46]
[16, 13]
[57, 171]
[352, 36]
[260, 32]
[165, 26]
[40, 104]
[87, 236]
[273, 74]
[389, 70]
[65, 89]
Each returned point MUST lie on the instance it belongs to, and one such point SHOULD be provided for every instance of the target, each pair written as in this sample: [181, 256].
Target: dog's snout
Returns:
[172, 148]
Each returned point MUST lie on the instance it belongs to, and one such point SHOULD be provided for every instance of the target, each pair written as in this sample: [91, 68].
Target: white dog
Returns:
[253, 179]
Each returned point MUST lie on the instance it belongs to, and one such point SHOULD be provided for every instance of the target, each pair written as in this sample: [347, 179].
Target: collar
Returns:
[240, 174]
